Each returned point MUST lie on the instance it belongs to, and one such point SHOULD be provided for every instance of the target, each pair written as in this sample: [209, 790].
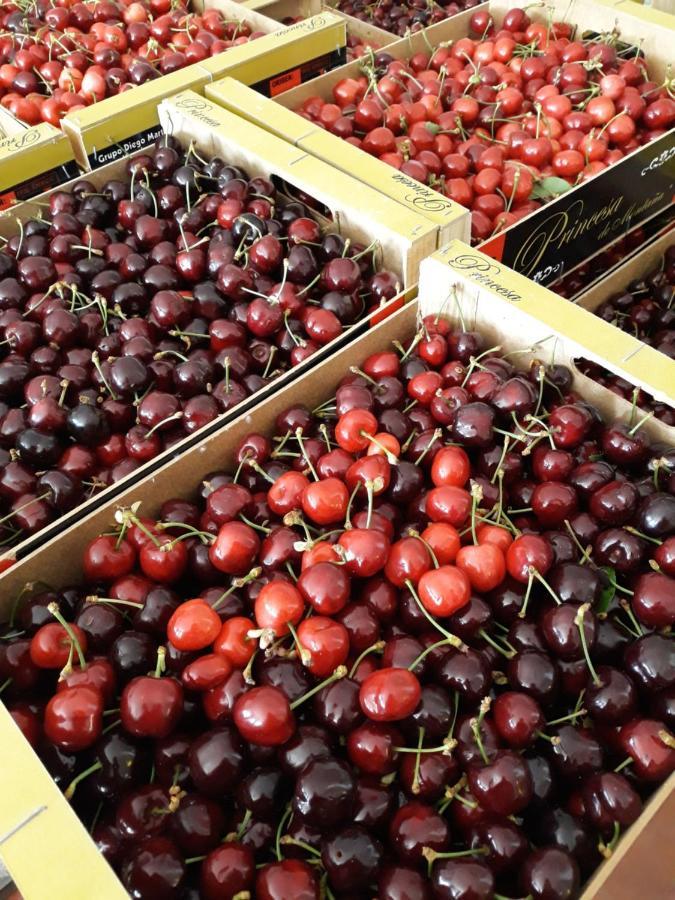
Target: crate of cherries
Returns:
[646, 309]
[402, 17]
[56, 58]
[415, 641]
[136, 311]
[504, 118]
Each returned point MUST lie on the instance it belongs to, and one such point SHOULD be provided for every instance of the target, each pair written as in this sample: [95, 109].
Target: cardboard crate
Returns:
[240, 143]
[562, 234]
[549, 315]
[641, 263]
[34, 813]
[405, 238]
[117, 126]
[449, 219]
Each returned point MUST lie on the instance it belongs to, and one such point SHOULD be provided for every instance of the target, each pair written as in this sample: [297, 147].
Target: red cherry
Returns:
[51, 646]
[484, 564]
[326, 642]
[164, 563]
[235, 548]
[389, 695]
[194, 625]
[73, 718]
[278, 604]
[529, 551]
[151, 706]
[263, 716]
[206, 672]
[106, 558]
[325, 502]
[451, 466]
[448, 504]
[285, 879]
[444, 590]
[233, 641]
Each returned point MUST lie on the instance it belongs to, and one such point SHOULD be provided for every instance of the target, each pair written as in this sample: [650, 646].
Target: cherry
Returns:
[389, 694]
[287, 878]
[216, 761]
[550, 873]
[414, 827]
[151, 706]
[325, 792]
[517, 717]
[503, 786]
[155, 869]
[229, 868]
[73, 717]
[263, 716]
[452, 878]
[649, 745]
[351, 858]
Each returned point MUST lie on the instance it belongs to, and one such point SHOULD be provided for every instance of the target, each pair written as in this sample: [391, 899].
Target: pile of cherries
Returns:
[645, 309]
[504, 120]
[418, 643]
[56, 58]
[133, 315]
[403, 16]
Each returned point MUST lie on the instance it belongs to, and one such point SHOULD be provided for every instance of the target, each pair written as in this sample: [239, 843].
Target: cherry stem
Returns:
[434, 437]
[528, 591]
[667, 738]
[628, 761]
[377, 647]
[93, 598]
[606, 850]
[160, 668]
[451, 638]
[432, 855]
[288, 840]
[476, 497]
[388, 455]
[416, 773]
[280, 830]
[475, 726]
[6, 684]
[237, 583]
[508, 653]
[53, 608]
[626, 607]
[424, 654]
[305, 655]
[540, 578]
[413, 533]
[243, 828]
[298, 437]
[572, 717]
[70, 790]
[579, 622]
[340, 672]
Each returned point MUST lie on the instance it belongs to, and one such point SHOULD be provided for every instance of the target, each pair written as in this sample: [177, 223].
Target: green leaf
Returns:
[608, 593]
[549, 187]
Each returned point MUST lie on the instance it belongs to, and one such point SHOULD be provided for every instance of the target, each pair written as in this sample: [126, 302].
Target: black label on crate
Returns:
[129, 145]
[566, 232]
[45, 181]
[284, 81]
